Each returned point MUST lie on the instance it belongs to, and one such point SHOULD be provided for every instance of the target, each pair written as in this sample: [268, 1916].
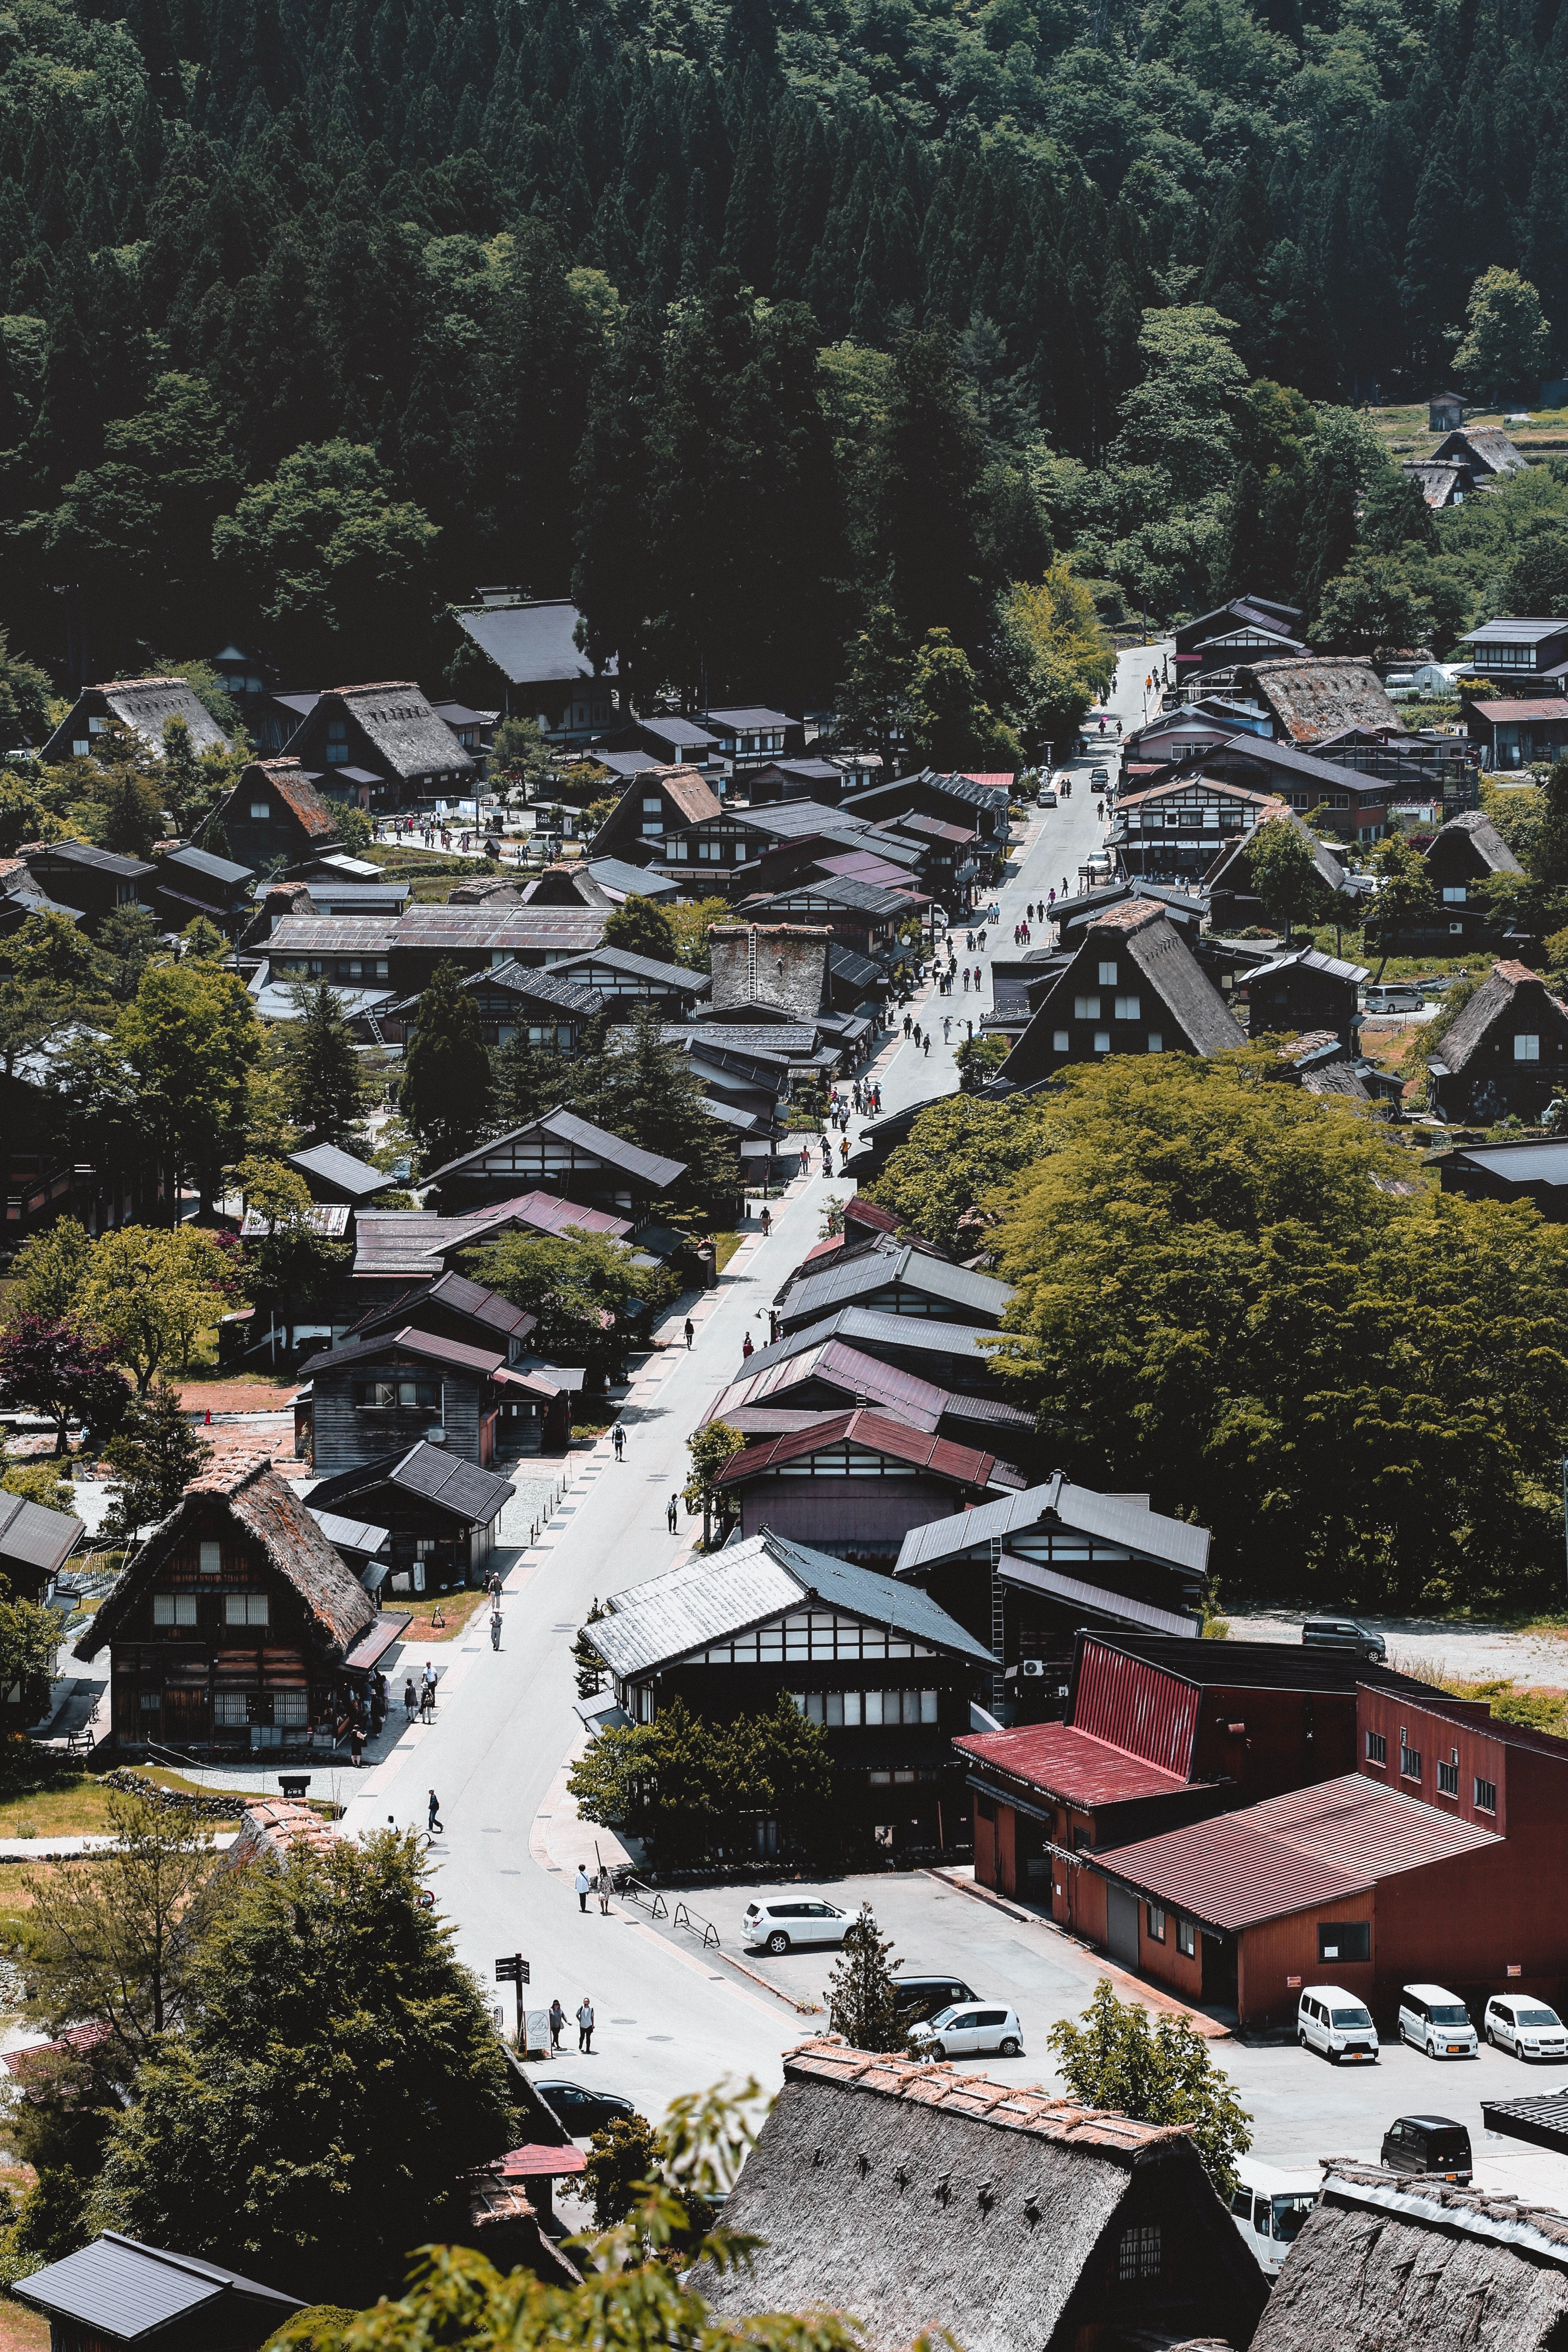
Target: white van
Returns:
[1269, 2208]
[1437, 2021]
[1331, 2020]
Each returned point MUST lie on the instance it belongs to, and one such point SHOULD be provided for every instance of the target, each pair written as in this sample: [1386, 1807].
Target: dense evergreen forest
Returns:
[758, 325]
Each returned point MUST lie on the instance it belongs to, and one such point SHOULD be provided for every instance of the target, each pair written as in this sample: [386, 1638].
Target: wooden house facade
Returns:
[1506, 1052]
[1134, 987]
[855, 1482]
[559, 1152]
[236, 1625]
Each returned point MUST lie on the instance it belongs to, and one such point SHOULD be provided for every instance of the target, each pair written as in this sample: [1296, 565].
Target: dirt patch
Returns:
[237, 1392]
[457, 1609]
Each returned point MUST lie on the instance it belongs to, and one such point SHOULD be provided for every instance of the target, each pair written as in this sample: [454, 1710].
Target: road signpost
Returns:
[513, 1968]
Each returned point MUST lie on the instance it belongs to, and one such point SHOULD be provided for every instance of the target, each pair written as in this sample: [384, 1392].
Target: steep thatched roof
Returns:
[272, 1513]
[914, 2197]
[1394, 2263]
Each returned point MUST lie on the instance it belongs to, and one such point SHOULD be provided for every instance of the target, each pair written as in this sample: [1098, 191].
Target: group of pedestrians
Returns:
[557, 2016]
[598, 1882]
[421, 1701]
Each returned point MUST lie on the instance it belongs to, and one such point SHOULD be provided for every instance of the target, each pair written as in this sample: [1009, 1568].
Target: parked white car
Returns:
[1269, 2208]
[1437, 2021]
[1334, 2022]
[791, 1923]
[965, 2029]
[1528, 2028]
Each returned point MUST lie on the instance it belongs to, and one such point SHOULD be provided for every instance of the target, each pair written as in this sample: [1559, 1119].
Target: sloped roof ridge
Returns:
[1098, 2131]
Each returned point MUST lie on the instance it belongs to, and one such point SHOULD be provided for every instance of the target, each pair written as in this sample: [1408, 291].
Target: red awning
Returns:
[373, 1646]
[537, 2160]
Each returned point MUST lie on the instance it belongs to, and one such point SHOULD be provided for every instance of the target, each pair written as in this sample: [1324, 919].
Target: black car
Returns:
[1434, 2144]
[920, 1997]
[583, 2112]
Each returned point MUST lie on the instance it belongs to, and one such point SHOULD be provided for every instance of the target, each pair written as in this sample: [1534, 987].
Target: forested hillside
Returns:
[403, 297]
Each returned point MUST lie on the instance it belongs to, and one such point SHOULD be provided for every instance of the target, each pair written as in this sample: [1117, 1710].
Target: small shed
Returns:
[1445, 412]
[917, 2197]
[1392, 2259]
[442, 1513]
[35, 1544]
[118, 2290]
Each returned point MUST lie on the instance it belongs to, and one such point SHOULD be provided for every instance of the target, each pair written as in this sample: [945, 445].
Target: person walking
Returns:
[557, 2024]
[603, 1885]
[410, 1699]
[618, 1440]
[907, 1024]
[433, 1817]
[585, 2026]
[673, 1514]
[766, 1221]
[356, 1743]
[746, 1347]
[690, 1326]
[495, 1629]
[582, 1884]
[427, 1693]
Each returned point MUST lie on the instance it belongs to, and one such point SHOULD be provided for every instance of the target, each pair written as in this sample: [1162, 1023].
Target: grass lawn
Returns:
[725, 1246]
[457, 1608]
[76, 1804]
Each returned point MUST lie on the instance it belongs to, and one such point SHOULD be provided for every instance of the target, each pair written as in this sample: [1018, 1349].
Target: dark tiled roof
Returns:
[428, 1472]
[121, 2290]
[648, 1167]
[532, 645]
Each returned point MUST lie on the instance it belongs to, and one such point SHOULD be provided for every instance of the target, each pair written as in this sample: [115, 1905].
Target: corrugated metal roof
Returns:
[1175, 1542]
[1266, 1665]
[1097, 1599]
[533, 644]
[565, 1127]
[675, 976]
[514, 927]
[121, 2289]
[710, 1599]
[355, 1177]
[871, 1328]
[1312, 1846]
[817, 1295]
[33, 1537]
[927, 1454]
[1142, 1709]
[852, 1374]
[1070, 1764]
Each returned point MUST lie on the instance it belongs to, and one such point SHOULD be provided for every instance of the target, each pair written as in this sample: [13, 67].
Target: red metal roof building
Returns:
[1439, 1856]
[855, 1482]
[1159, 1733]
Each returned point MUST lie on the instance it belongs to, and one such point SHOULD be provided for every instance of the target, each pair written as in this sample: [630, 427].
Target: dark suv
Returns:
[920, 1997]
[1434, 2144]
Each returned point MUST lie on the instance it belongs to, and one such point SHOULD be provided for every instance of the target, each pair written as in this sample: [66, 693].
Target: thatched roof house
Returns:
[917, 2197]
[1392, 2260]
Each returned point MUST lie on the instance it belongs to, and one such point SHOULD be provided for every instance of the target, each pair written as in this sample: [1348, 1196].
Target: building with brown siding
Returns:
[236, 1625]
[1157, 1732]
[855, 1482]
[1439, 1856]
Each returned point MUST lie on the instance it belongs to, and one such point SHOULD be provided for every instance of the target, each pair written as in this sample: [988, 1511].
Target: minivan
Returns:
[1394, 996]
[920, 1997]
[1434, 2144]
[1331, 2020]
[1436, 2021]
[1515, 2021]
[1270, 2207]
[783, 1926]
[1343, 1633]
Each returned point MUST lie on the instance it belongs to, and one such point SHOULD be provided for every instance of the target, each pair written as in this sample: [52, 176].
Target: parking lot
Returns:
[1302, 2107]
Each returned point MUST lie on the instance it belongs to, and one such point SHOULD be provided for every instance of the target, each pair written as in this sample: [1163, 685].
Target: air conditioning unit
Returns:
[1032, 1667]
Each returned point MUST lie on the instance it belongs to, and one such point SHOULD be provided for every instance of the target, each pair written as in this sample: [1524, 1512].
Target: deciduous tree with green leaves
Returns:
[335, 2075]
[153, 1292]
[689, 1789]
[711, 1447]
[1113, 2057]
[189, 1040]
[1506, 337]
[1284, 874]
[958, 1152]
[639, 926]
[581, 1286]
[1228, 1293]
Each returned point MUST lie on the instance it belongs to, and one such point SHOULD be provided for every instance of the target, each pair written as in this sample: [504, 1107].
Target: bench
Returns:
[293, 1784]
[81, 1742]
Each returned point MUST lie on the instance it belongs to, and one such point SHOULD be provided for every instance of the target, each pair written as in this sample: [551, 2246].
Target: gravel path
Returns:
[1427, 1645]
